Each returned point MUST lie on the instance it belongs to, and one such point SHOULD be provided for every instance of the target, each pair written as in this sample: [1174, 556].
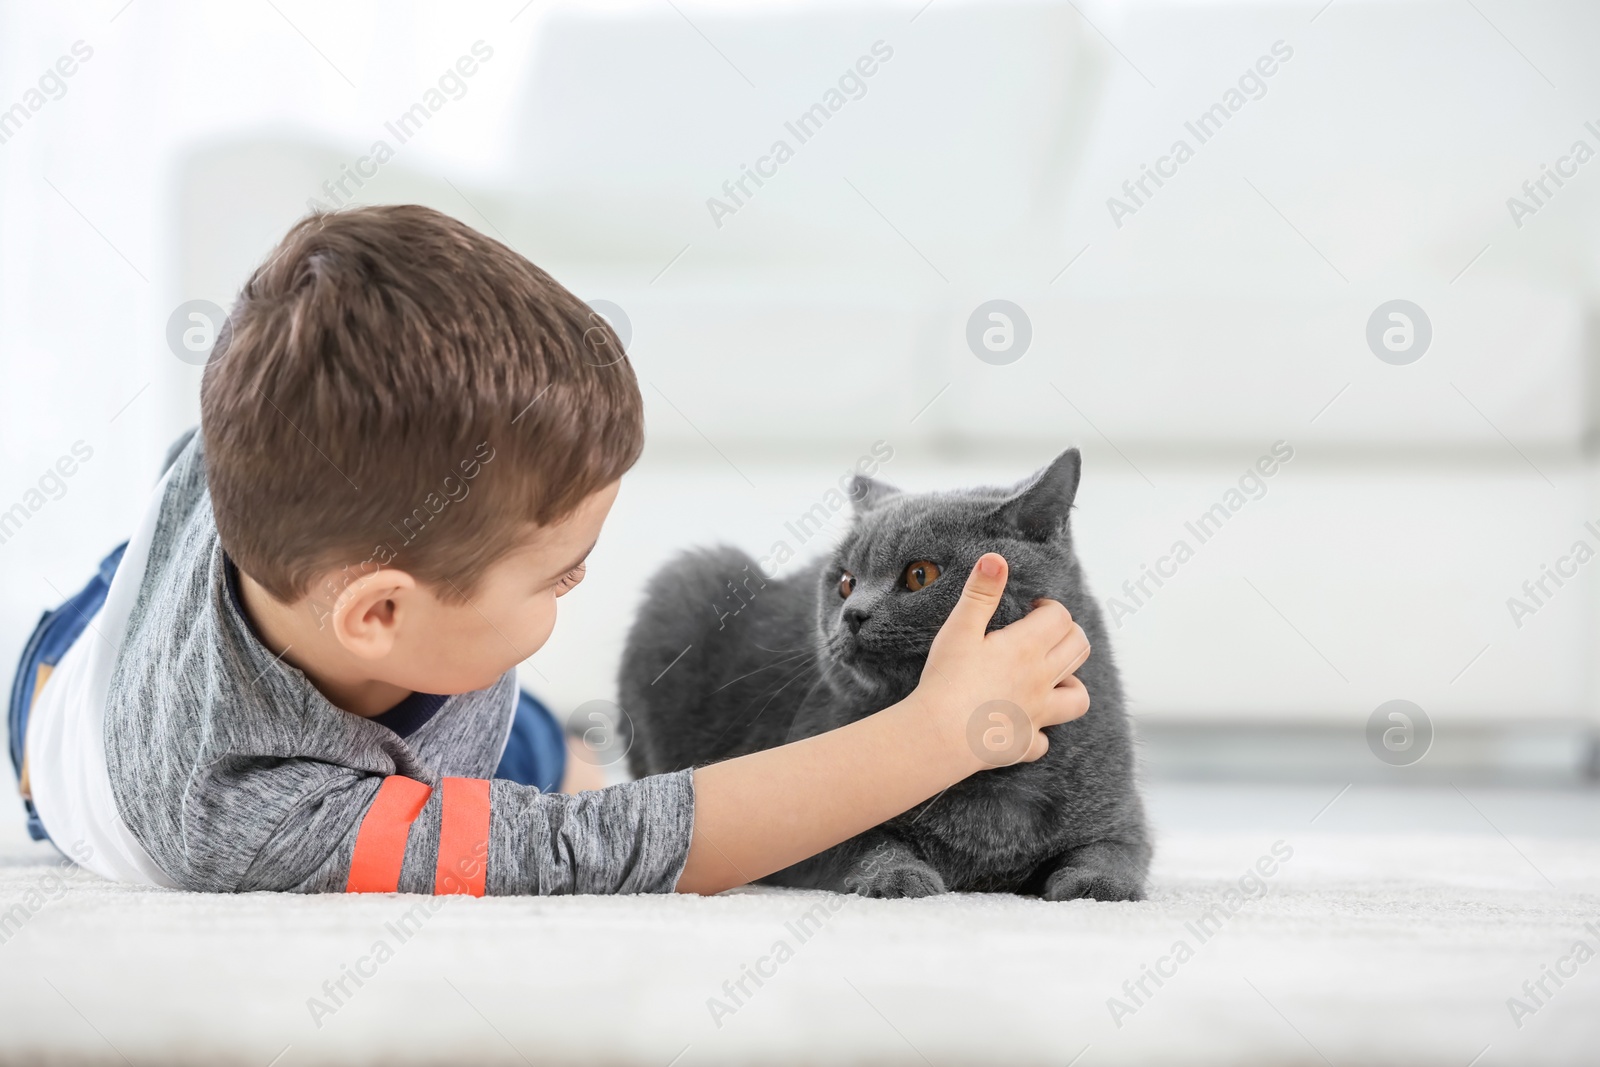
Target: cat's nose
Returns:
[853, 618]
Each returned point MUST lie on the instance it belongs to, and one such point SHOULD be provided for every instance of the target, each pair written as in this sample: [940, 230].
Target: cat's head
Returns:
[899, 570]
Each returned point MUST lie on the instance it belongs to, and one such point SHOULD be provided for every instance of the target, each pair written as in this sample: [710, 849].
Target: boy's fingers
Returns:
[1067, 701]
[1036, 750]
[1048, 623]
[1070, 653]
[980, 596]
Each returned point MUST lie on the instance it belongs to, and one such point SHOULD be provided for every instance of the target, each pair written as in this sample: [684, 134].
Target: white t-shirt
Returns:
[66, 732]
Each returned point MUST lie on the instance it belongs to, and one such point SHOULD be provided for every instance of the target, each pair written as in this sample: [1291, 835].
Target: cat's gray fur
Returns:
[772, 660]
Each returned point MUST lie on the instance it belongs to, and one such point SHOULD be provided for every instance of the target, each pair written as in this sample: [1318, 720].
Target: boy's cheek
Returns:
[541, 623]
[498, 641]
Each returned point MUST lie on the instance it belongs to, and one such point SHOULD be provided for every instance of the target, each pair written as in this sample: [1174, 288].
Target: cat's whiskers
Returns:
[784, 686]
[748, 723]
[780, 686]
[930, 803]
[822, 676]
[775, 663]
[796, 648]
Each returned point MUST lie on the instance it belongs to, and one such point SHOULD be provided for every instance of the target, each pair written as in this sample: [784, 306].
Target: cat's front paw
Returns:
[900, 877]
[1077, 883]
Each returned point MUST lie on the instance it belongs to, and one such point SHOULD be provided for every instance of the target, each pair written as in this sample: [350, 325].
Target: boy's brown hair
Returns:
[394, 388]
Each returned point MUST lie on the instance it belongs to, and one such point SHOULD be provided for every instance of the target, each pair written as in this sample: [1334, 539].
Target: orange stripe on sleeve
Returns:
[463, 837]
[381, 841]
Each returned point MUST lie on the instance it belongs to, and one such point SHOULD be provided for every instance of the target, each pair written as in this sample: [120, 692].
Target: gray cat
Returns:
[770, 661]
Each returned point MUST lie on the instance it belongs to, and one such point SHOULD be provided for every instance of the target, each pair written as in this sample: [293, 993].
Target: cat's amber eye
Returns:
[847, 584]
[919, 574]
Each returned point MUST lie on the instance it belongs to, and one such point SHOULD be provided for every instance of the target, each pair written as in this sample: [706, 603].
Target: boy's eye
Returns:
[920, 573]
[847, 584]
[572, 577]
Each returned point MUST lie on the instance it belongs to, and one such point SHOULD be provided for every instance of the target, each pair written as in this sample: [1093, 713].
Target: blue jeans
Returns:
[536, 752]
[51, 638]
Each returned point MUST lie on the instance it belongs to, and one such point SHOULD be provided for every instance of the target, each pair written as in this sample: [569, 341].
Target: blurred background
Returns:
[1353, 242]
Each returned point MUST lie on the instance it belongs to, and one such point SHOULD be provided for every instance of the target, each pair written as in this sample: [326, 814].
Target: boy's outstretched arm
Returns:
[760, 813]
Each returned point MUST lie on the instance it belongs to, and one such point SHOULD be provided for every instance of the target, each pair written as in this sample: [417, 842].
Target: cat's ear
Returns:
[1039, 508]
[867, 493]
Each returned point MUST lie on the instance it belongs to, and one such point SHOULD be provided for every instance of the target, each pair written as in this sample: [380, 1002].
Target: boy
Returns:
[299, 672]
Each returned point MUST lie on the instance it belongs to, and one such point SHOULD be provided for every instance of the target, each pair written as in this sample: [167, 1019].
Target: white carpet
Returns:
[1368, 947]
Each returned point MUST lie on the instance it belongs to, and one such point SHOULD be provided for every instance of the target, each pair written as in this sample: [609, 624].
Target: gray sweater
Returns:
[235, 773]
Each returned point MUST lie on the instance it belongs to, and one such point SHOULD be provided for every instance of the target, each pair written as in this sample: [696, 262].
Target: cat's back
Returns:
[705, 660]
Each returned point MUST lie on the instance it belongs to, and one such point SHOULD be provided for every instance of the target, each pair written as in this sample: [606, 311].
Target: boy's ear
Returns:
[1039, 508]
[867, 493]
[366, 618]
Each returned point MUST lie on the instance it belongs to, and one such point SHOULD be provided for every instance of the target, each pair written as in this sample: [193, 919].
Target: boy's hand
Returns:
[997, 691]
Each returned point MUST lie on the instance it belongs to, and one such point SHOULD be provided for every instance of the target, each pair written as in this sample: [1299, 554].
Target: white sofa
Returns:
[829, 310]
